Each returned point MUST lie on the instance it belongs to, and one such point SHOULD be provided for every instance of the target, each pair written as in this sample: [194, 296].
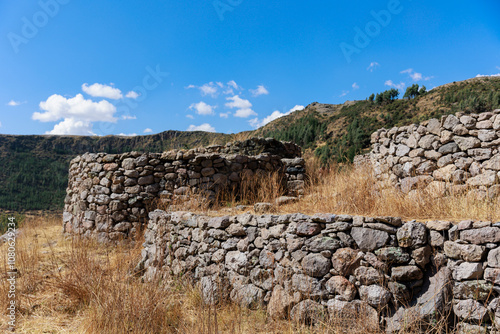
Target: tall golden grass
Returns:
[265, 187]
[343, 190]
[349, 190]
[69, 285]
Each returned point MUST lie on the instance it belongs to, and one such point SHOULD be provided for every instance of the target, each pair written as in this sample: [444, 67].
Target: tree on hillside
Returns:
[422, 90]
[392, 94]
[412, 92]
[371, 97]
[387, 96]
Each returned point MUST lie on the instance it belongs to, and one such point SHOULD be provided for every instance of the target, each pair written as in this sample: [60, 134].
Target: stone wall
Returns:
[456, 153]
[107, 194]
[309, 267]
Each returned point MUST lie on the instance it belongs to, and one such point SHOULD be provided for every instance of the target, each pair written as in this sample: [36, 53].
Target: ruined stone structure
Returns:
[391, 272]
[454, 154]
[311, 267]
[107, 193]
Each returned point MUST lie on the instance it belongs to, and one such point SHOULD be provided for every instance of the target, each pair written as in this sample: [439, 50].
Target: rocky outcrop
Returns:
[454, 154]
[107, 194]
[308, 268]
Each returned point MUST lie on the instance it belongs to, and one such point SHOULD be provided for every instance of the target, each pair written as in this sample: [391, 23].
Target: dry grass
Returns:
[265, 187]
[342, 190]
[353, 191]
[68, 285]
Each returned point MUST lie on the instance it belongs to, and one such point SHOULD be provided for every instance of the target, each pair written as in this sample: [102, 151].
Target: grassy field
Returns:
[68, 285]
[353, 191]
[76, 286]
[342, 189]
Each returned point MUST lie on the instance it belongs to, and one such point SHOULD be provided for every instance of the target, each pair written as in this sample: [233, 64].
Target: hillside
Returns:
[33, 169]
[339, 132]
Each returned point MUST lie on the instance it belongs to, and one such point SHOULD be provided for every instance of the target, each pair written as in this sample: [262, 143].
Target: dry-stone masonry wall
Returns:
[456, 153]
[389, 271]
[107, 193]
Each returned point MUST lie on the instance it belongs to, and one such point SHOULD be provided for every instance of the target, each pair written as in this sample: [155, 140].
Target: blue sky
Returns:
[138, 67]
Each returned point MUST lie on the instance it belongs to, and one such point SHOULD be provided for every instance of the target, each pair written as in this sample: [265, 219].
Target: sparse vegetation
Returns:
[343, 189]
[304, 132]
[69, 285]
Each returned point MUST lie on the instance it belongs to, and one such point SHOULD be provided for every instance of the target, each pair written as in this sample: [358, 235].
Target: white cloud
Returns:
[13, 103]
[201, 108]
[256, 123]
[486, 75]
[71, 126]
[77, 114]
[127, 134]
[401, 85]
[148, 130]
[243, 106]
[0, 124]
[344, 93]
[204, 127]
[98, 90]
[245, 113]
[224, 114]
[415, 75]
[373, 66]
[233, 84]
[355, 86]
[237, 102]
[132, 95]
[190, 116]
[261, 90]
[127, 117]
[208, 89]
[58, 107]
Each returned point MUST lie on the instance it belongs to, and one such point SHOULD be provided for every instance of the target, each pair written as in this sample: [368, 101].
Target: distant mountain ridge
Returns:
[33, 169]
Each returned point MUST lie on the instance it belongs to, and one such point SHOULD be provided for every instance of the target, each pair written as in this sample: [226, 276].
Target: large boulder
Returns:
[494, 258]
[412, 234]
[309, 286]
[316, 265]
[375, 295]
[346, 260]
[468, 270]
[469, 309]
[209, 290]
[431, 305]
[248, 295]
[281, 303]
[308, 311]
[368, 239]
[481, 235]
[341, 287]
[472, 253]
[393, 255]
[343, 312]
[368, 275]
